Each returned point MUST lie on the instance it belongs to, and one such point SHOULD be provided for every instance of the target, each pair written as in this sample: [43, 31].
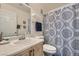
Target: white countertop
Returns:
[10, 49]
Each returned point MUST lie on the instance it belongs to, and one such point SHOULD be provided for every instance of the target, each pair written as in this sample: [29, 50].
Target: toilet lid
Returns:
[49, 47]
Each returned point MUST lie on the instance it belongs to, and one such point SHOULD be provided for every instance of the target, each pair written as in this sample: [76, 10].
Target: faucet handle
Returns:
[1, 33]
[1, 36]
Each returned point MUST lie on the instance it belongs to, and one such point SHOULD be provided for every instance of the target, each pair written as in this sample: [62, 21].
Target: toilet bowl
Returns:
[49, 50]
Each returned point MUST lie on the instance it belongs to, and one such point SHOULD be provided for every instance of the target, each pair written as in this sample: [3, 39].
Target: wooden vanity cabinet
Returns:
[22, 53]
[36, 50]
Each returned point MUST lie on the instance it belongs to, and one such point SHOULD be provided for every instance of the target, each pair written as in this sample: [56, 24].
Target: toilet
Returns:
[49, 50]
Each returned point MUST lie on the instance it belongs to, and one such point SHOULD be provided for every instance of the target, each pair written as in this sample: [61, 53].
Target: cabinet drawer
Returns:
[22, 53]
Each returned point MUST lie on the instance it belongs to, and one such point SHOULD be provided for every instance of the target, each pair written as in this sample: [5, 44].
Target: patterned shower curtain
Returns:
[61, 29]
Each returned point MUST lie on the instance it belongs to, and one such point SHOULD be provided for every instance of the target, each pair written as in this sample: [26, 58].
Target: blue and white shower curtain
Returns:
[61, 29]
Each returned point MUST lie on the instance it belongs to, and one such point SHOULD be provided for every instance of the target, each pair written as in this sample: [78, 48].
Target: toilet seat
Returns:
[49, 49]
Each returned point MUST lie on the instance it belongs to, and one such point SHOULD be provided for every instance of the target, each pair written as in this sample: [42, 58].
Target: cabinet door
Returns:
[27, 52]
[38, 49]
[22, 53]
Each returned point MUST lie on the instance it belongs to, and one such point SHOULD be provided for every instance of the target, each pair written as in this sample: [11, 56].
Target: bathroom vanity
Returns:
[27, 47]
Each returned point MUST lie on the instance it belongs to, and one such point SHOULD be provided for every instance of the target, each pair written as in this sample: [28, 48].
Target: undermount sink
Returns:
[19, 42]
[4, 42]
[14, 41]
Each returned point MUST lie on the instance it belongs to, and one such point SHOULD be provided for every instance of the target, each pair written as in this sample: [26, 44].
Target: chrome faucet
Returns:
[22, 37]
[1, 36]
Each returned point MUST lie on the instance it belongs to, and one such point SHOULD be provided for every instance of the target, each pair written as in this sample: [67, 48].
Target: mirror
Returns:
[8, 23]
[14, 19]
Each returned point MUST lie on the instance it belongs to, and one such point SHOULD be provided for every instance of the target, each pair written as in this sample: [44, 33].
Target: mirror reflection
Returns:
[14, 19]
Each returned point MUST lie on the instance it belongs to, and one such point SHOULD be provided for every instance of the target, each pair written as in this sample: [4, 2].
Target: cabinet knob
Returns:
[30, 53]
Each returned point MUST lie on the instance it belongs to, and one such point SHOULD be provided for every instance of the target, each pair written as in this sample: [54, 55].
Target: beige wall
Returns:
[49, 7]
[45, 6]
[20, 15]
[36, 18]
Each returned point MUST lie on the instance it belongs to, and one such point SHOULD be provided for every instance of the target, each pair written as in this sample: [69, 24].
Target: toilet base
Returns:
[48, 54]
